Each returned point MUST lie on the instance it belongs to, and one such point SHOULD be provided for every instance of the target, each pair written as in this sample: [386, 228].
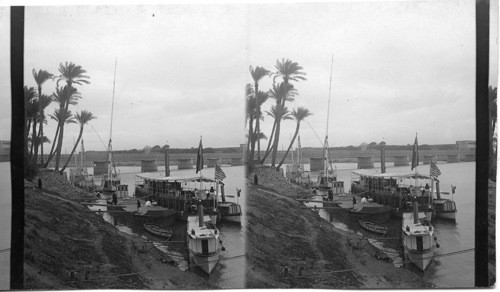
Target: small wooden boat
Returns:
[373, 227]
[157, 230]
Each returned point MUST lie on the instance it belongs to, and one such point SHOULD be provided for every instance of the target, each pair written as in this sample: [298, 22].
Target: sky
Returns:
[399, 68]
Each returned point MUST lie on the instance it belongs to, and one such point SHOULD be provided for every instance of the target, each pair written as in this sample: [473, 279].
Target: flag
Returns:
[199, 158]
[435, 172]
[414, 155]
[219, 174]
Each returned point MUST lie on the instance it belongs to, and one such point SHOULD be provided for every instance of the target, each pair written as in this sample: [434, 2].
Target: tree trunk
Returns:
[276, 142]
[289, 146]
[51, 153]
[268, 150]
[33, 136]
[249, 143]
[74, 148]
[59, 144]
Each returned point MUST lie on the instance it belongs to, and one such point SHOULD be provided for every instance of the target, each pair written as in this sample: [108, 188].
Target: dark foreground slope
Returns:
[66, 246]
[289, 246]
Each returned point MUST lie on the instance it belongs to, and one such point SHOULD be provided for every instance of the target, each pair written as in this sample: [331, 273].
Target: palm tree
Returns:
[82, 118]
[258, 99]
[250, 115]
[40, 78]
[298, 115]
[71, 74]
[257, 74]
[65, 96]
[289, 71]
[60, 116]
[281, 113]
[281, 93]
[29, 96]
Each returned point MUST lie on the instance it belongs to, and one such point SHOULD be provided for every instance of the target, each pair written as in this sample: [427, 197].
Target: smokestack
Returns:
[167, 161]
[200, 215]
[382, 159]
[222, 193]
[415, 212]
[438, 193]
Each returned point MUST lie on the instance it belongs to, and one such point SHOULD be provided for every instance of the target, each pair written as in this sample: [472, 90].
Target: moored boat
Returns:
[157, 230]
[203, 241]
[178, 193]
[374, 212]
[155, 212]
[229, 211]
[418, 238]
[373, 227]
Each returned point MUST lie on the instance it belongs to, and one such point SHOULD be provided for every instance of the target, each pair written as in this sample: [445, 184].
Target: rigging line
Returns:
[321, 142]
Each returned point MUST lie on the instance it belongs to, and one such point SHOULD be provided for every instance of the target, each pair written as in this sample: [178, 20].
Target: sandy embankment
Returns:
[284, 236]
[66, 246]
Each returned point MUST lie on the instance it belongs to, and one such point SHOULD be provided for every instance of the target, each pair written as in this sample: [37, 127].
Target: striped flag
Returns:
[219, 174]
[199, 158]
[435, 172]
[414, 156]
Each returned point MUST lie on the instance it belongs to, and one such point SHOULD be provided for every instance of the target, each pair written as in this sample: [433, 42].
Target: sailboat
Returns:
[327, 179]
[111, 182]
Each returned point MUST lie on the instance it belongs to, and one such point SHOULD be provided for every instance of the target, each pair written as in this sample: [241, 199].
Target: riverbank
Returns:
[66, 246]
[492, 189]
[290, 246]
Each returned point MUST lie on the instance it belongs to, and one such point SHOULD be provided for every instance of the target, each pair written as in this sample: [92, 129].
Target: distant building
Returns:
[4, 145]
[363, 146]
[466, 145]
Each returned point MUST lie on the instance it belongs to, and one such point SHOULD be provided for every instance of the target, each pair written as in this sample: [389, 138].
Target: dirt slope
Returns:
[66, 247]
[289, 246]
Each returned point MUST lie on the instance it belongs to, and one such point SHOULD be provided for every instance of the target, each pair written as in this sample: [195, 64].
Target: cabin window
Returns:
[204, 246]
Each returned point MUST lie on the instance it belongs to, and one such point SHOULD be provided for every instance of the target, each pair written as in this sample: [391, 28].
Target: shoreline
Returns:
[68, 247]
[292, 247]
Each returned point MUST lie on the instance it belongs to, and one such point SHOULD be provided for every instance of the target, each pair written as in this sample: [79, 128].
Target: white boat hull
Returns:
[421, 260]
[206, 263]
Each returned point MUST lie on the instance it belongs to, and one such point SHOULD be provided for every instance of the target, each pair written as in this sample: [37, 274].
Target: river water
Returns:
[230, 272]
[448, 270]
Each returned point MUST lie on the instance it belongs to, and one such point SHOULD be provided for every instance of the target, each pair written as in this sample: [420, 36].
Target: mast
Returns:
[325, 166]
[110, 148]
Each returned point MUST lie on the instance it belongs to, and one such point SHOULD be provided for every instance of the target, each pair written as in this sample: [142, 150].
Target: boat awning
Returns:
[154, 177]
[376, 174]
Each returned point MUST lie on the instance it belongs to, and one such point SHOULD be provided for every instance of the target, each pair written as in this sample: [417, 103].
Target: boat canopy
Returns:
[155, 177]
[402, 175]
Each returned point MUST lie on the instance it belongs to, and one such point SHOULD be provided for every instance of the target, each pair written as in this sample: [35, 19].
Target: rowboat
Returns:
[157, 230]
[373, 227]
